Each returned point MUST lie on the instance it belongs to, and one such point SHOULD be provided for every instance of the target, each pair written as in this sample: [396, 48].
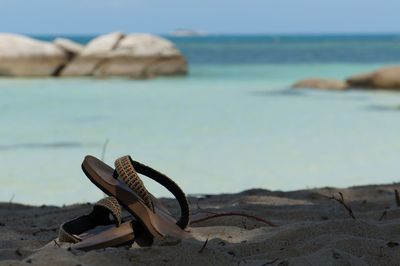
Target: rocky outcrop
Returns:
[135, 56]
[92, 55]
[72, 48]
[323, 84]
[22, 56]
[143, 56]
[114, 54]
[385, 78]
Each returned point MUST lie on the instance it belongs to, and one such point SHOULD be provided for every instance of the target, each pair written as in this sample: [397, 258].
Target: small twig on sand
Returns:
[271, 262]
[104, 149]
[204, 246]
[56, 243]
[383, 215]
[198, 205]
[215, 215]
[341, 201]
[10, 201]
[396, 193]
[103, 154]
[18, 252]
[43, 230]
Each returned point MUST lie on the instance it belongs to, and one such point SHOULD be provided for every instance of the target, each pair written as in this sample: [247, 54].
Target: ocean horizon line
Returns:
[208, 34]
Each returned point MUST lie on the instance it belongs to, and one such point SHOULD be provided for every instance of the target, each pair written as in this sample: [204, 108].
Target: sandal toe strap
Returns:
[127, 169]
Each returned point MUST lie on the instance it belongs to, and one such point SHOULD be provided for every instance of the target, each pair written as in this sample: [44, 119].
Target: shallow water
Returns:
[224, 128]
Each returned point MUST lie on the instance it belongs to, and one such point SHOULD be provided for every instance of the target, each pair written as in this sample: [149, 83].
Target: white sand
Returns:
[312, 230]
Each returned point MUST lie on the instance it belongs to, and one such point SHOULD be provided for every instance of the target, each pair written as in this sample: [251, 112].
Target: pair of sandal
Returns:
[149, 220]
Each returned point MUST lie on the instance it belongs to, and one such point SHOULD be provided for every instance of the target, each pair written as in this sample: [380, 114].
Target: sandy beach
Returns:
[312, 228]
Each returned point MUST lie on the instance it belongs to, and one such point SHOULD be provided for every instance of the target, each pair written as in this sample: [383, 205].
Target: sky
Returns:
[212, 16]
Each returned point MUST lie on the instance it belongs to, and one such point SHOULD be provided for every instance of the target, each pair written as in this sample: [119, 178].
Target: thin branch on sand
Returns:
[198, 205]
[10, 201]
[271, 262]
[347, 207]
[204, 246]
[43, 230]
[215, 215]
[104, 149]
[56, 244]
[383, 215]
[396, 193]
[103, 154]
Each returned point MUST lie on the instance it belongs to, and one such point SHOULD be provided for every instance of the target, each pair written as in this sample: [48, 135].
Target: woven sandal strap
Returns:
[128, 174]
[165, 181]
[99, 216]
[113, 207]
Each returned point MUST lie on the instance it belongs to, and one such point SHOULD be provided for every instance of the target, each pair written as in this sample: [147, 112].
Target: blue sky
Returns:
[213, 16]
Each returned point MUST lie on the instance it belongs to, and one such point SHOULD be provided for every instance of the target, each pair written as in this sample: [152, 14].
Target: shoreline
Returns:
[312, 228]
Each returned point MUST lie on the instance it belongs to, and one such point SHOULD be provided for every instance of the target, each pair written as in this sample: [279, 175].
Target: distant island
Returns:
[188, 32]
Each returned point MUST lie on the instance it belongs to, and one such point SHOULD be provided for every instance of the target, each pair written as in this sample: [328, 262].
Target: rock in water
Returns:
[22, 56]
[92, 55]
[385, 78]
[143, 56]
[114, 54]
[69, 46]
[323, 84]
[135, 56]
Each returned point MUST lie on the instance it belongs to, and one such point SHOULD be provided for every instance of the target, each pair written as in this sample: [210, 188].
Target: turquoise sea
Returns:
[232, 124]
